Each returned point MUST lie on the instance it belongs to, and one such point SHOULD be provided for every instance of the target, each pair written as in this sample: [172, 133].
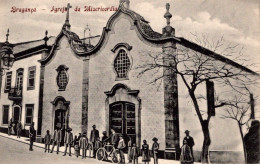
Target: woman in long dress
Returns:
[129, 152]
[186, 157]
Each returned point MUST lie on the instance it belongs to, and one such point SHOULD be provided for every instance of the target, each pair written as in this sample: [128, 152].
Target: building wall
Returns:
[73, 93]
[102, 78]
[29, 96]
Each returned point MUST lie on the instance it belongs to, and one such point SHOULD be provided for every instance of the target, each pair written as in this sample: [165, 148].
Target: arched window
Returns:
[122, 64]
[62, 77]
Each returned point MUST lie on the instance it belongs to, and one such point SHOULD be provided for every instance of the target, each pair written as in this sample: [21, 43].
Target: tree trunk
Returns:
[242, 138]
[206, 143]
[205, 130]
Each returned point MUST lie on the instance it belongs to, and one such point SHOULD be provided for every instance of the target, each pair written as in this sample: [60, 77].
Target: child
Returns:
[155, 149]
[98, 144]
[84, 145]
[135, 154]
[76, 146]
[121, 146]
[145, 152]
[47, 141]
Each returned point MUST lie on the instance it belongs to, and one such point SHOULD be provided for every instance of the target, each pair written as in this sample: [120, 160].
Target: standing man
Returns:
[121, 147]
[79, 140]
[31, 136]
[19, 129]
[9, 127]
[93, 138]
[155, 149]
[56, 139]
[83, 144]
[68, 140]
[190, 141]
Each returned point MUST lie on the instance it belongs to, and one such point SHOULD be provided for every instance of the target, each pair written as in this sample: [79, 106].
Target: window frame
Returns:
[127, 53]
[20, 70]
[33, 68]
[7, 114]
[59, 70]
[26, 108]
[7, 74]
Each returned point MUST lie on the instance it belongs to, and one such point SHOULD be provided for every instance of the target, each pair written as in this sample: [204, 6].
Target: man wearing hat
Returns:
[190, 141]
[155, 149]
[68, 140]
[121, 146]
[93, 138]
[56, 139]
[83, 144]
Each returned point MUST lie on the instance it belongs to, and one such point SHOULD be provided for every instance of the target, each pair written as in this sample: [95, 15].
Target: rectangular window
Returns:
[5, 114]
[8, 81]
[31, 78]
[29, 114]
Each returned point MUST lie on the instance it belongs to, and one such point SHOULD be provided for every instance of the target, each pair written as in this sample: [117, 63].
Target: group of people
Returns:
[81, 142]
[186, 150]
[14, 128]
[133, 152]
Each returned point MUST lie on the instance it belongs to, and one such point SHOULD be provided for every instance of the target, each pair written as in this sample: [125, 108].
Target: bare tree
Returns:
[196, 65]
[241, 110]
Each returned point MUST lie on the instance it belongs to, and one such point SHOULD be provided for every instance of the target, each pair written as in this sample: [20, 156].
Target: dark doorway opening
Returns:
[122, 119]
[59, 122]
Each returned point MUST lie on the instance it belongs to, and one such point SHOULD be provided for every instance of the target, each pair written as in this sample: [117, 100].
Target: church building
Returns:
[64, 82]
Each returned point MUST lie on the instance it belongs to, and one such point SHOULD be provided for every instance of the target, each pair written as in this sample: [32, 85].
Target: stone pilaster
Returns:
[171, 99]
[85, 88]
[39, 128]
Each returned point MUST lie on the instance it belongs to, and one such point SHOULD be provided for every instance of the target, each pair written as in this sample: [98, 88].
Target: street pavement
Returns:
[15, 150]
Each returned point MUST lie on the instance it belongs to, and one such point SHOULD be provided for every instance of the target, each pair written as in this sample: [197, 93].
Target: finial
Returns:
[127, 3]
[168, 15]
[7, 35]
[87, 28]
[46, 37]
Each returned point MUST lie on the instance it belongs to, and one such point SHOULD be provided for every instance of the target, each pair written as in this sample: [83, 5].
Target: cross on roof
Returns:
[68, 8]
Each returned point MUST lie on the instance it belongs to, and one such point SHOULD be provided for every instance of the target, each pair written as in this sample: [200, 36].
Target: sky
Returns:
[236, 20]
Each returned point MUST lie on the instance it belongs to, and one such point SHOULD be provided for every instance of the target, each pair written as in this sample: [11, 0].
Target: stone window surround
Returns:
[4, 115]
[33, 68]
[20, 70]
[59, 69]
[127, 48]
[26, 108]
[6, 90]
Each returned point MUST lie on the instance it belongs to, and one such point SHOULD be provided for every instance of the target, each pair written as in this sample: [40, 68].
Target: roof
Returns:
[20, 47]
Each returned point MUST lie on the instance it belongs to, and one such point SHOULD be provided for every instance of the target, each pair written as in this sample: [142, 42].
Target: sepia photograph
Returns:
[129, 81]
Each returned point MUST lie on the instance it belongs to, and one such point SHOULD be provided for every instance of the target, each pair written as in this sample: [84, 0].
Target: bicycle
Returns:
[103, 154]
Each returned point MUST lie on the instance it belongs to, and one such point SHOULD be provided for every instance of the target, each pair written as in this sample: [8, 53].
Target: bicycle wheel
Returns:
[100, 154]
[116, 156]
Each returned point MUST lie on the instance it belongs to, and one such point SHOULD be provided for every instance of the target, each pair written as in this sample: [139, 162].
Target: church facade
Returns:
[78, 85]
